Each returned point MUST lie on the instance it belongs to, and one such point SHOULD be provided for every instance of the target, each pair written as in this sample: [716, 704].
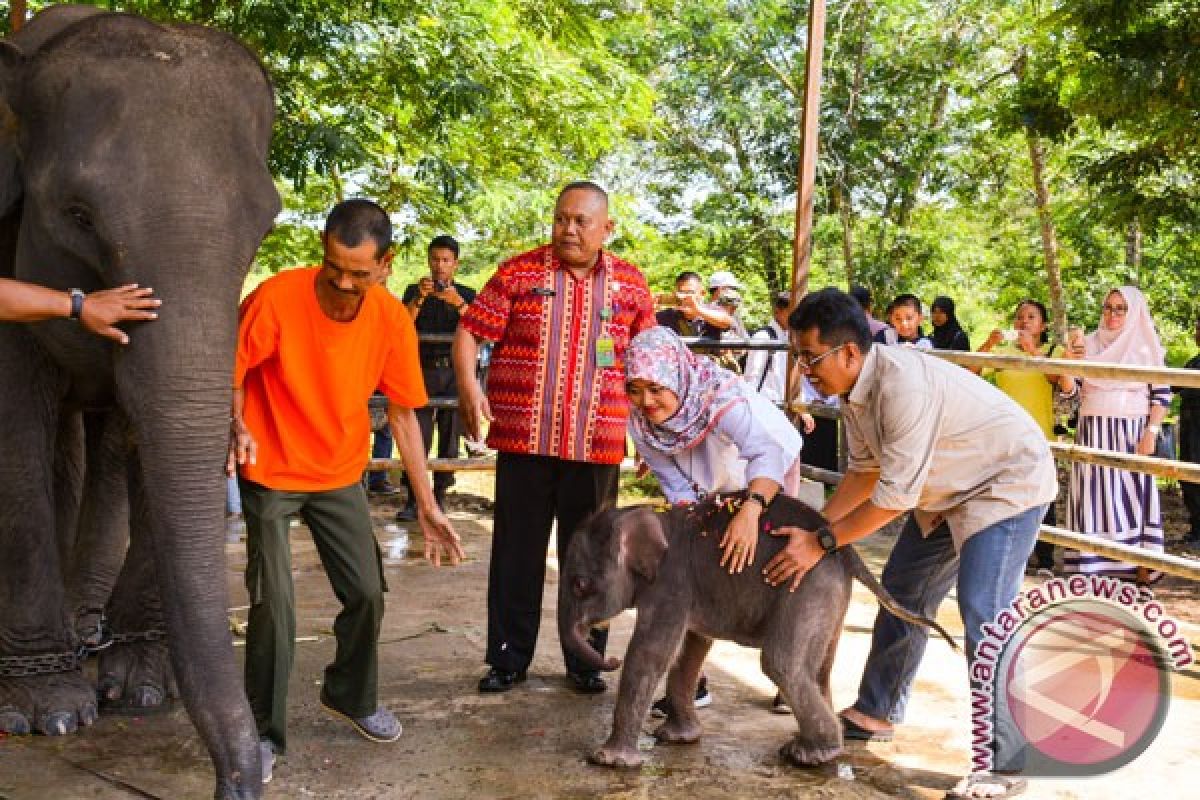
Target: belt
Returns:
[439, 363]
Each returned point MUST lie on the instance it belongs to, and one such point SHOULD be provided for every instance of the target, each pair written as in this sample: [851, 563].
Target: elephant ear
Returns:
[641, 542]
[14, 54]
[12, 61]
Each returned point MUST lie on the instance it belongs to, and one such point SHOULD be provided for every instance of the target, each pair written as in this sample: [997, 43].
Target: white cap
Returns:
[723, 279]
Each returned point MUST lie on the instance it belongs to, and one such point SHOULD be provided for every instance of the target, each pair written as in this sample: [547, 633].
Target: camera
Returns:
[441, 286]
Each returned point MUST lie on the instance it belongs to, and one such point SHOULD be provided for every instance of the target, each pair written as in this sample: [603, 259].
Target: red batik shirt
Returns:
[547, 393]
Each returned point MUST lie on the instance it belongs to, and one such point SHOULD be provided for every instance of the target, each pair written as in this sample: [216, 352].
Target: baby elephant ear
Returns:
[641, 541]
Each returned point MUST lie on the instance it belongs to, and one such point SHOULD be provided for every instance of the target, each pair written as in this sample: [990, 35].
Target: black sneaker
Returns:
[703, 699]
[406, 514]
[382, 487]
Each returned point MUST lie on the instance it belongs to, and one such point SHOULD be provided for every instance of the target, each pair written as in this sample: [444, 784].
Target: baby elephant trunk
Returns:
[571, 631]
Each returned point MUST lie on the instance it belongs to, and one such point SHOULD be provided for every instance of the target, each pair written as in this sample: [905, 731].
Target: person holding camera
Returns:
[436, 302]
[688, 314]
[1034, 391]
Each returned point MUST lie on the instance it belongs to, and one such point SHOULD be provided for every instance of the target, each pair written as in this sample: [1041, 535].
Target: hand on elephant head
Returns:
[103, 310]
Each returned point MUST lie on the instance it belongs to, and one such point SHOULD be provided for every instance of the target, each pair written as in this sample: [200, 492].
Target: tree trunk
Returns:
[1133, 249]
[1037, 160]
[841, 200]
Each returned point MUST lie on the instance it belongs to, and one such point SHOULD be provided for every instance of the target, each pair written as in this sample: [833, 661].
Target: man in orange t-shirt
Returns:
[313, 344]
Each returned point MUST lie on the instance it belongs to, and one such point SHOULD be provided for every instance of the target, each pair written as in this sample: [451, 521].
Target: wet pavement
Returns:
[532, 741]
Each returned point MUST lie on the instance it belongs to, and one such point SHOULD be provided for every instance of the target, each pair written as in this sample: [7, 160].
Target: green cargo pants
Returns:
[341, 529]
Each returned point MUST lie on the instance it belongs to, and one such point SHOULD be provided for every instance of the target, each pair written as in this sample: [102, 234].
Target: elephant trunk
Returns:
[572, 629]
[174, 381]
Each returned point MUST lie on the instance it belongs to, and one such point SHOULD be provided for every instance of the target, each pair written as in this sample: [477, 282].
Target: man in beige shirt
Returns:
[927, 436]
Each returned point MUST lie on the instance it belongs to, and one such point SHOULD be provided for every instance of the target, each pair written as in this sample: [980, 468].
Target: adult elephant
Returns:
[131, 152]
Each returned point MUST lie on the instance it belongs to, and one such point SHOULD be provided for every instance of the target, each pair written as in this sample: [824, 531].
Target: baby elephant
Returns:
[664, 562]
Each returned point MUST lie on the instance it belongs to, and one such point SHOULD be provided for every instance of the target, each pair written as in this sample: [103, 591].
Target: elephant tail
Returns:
[859, 570]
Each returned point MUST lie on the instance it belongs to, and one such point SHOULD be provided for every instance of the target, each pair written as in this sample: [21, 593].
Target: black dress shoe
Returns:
[586, 682]
[500, 680]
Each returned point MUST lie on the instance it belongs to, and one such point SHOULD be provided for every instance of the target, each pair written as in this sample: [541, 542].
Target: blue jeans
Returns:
[380, 448]
[233, 498]
[919, 573]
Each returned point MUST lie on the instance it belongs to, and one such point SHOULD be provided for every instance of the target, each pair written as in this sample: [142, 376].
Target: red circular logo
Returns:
[1085, 687]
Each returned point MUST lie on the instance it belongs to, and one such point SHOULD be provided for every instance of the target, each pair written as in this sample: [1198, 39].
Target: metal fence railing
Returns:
[1064, 451]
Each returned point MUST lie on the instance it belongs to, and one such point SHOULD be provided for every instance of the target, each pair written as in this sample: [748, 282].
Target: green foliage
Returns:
[466, 117]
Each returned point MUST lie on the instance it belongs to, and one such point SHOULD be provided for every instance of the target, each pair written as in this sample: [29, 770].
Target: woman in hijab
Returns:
[1126, 417]
[947, 333]
[702, 429]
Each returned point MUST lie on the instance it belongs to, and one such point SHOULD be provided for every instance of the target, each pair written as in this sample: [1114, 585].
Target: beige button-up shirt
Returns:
[945, 443]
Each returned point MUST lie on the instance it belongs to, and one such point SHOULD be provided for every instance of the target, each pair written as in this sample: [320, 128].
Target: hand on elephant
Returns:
[102, 310]
[801, 554]
[740, 541]
[440, 538]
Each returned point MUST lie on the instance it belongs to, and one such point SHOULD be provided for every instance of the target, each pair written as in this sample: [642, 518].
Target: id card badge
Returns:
[606, 352]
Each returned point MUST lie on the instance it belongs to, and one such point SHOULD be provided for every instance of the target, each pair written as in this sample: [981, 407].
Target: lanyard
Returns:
[700, 493]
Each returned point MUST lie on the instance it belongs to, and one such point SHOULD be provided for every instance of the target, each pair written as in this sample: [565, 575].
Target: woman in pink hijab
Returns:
[1123, 416]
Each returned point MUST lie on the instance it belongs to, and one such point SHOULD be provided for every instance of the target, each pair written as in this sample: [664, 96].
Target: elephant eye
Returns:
[81, 215]
[581, 587]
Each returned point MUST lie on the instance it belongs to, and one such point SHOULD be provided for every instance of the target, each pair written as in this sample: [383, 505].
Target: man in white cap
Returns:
[724, 292]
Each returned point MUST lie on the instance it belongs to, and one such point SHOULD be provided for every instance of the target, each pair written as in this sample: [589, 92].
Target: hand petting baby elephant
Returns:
[666, 563]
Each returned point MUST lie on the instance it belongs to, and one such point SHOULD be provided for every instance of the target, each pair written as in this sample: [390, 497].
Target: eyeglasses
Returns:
[808, 362]
[1115, 309]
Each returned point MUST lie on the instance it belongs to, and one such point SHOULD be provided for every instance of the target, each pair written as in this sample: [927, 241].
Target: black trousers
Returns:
[439, 382]
[821, 446]
[1043, 552]
[532, 492]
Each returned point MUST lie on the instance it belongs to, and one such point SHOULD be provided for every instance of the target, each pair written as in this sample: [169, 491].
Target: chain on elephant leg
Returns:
[135, 675]
[44, 693]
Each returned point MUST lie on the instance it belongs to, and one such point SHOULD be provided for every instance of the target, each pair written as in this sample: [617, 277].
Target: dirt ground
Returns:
[531, 742]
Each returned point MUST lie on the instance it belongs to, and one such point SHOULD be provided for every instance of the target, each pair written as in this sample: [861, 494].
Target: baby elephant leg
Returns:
[802, 675]
[682, 725]
[655, 640]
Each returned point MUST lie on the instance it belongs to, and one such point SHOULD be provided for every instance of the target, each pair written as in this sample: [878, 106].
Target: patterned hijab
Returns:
[705, 391]
[1136, 342]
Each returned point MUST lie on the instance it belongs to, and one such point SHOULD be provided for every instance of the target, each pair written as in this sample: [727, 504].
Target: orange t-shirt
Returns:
[307, 380]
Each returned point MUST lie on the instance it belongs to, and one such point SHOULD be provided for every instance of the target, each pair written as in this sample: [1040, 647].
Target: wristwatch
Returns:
[826, 539]
[758, 498]
[77, 296]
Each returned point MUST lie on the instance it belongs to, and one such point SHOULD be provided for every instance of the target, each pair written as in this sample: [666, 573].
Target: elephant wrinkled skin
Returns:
[665, 563]
[130, 152]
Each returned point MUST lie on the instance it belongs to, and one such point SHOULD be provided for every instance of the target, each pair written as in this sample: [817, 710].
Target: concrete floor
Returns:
[532, 742]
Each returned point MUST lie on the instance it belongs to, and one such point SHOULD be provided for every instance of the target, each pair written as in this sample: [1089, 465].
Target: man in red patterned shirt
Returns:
[561, 316]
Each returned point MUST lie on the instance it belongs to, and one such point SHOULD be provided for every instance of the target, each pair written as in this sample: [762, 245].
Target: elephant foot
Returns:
[804, 753]
[612, 756]
[677, 731]
[228, 791]
[136, 678]
[54, 705]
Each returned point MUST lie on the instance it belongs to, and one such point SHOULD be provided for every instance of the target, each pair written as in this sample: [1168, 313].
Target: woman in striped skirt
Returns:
[1125, 417]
